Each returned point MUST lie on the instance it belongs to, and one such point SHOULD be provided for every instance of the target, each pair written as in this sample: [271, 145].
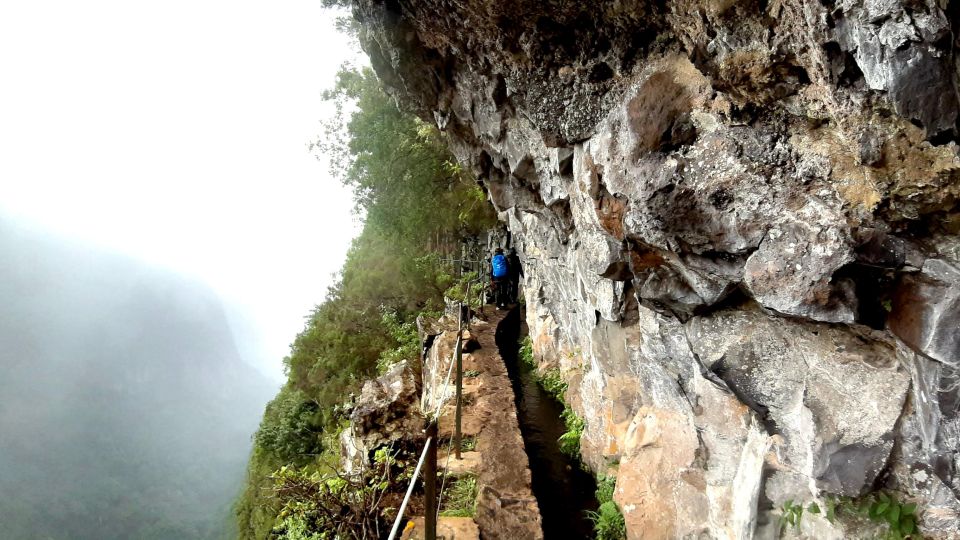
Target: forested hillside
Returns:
[125, 410]
[416, 202]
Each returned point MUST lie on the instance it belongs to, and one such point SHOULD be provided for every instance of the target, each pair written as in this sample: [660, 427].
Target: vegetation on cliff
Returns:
[415, 202]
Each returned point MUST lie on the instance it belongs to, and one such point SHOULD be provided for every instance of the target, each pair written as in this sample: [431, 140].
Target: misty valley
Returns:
[125, 408]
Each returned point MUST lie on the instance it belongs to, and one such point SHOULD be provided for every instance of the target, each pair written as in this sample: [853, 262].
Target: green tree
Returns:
[415, 200]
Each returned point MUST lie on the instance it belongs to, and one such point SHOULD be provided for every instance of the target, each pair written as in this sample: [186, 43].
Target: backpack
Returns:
[499, 263]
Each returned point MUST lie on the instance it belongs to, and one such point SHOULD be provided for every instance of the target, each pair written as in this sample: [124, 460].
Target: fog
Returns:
[125, 408]
[163, 228]
[177, 133]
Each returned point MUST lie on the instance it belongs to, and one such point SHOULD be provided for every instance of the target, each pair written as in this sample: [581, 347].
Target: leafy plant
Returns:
[460, 498]
[317, 506]
[468, 444]
[898, 519]
[605, 487]
[570, 440]
[790, 514]
[608, 522]
[882, 508]
[470, 373]
[526, 353]
[553, 383]
[291, 427]
[408, 341]
[468, 289]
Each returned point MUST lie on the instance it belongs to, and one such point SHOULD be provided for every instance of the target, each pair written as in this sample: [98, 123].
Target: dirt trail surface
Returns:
[448, 528]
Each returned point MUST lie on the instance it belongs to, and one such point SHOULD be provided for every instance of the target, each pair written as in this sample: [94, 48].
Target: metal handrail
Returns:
[443, 483]
[432, 429]
[406, 499]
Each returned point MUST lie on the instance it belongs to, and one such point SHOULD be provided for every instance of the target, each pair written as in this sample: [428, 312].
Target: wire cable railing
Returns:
[413, 482]
[428, 457]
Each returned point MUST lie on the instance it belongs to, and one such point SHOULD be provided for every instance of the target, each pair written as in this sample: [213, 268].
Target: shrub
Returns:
[608, 522]
[526, 353]
[605, 487]
[408, 342]
[291, 427]
[898, 519]
[468, 289]
[317, 506]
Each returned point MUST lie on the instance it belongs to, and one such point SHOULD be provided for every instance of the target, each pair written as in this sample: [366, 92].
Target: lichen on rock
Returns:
[739, 227]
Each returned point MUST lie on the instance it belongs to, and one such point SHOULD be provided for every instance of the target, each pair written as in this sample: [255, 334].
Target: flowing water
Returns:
[564, 491]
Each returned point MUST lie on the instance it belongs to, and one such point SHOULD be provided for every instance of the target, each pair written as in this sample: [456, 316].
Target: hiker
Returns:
[514, 273]
[499, 276]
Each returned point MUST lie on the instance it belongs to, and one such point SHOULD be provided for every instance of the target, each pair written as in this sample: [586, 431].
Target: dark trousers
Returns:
[513, 289]
[501, 291]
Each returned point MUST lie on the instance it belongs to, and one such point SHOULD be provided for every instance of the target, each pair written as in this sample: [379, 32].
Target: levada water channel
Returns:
[564, 491]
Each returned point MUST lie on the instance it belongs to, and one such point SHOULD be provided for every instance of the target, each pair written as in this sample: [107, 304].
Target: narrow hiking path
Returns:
[527, 487]
[506, 507]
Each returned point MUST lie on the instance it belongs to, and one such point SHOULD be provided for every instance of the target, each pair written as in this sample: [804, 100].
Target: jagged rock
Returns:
[791, 271]
[926, 311]
[674, 430]
[927, 453]
[658, 162]
[886, 41]
[387, 412]
[834, 396]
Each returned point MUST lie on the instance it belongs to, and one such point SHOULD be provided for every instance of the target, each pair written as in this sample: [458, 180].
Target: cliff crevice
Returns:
[739, 224]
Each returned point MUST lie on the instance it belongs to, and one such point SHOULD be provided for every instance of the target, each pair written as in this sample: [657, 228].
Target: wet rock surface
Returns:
[739, 228]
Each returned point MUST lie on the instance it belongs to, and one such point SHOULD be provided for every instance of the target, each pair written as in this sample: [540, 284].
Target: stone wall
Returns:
[739, 223]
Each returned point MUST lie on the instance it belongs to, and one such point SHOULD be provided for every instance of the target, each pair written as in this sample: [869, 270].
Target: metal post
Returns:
[459, 354]
[413, 481]
[460, 320]
[430, 485]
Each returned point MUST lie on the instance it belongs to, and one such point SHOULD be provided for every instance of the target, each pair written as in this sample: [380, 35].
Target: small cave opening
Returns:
[735, 297]
[565, 492]
[851, 75]
[944, 137]
[845, 66]
[500, 92]
[874, 291]
[600, 72]
[555, 39]
[565, 166]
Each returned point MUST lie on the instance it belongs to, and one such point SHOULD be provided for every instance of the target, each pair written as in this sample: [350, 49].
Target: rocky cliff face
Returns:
[739, 223]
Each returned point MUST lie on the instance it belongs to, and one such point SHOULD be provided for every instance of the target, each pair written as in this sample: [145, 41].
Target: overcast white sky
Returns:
[176, 132]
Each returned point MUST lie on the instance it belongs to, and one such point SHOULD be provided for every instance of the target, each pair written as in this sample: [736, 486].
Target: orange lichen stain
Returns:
[855, 183]
[610, 211]
[910, 168]
[643, 258]
[613, 433]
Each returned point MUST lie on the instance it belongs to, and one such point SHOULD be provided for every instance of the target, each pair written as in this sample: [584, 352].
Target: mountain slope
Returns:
[124, 406]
